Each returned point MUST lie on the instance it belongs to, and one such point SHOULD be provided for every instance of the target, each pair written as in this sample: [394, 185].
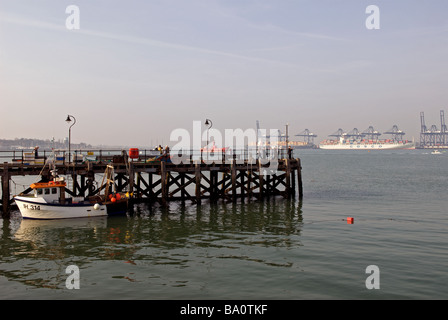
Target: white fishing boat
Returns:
[47, 200]
[436, 152]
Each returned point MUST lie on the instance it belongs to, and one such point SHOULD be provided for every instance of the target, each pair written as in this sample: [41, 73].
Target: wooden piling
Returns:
[198, 182]
[260, 180]
[163, 181]
[5, 191]
[288, 178]
[213, 184]
[242, 176]
[233, 173]
[150, 187]
[293, 183]
[182, 191]
[131, 177]
[299, 178]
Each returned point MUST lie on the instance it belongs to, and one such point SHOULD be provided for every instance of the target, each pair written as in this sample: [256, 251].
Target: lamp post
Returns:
[286, 139]
[209, 123]
[68, 120]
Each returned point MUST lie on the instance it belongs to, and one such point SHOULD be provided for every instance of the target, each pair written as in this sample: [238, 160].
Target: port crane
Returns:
[397, 134]
[433, 137]
[308, 136]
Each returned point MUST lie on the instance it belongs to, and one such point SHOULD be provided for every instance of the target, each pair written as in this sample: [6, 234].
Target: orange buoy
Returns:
[350, 220]
[113, 199]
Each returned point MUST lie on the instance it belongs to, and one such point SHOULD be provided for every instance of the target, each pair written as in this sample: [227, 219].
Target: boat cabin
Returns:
[51, 192]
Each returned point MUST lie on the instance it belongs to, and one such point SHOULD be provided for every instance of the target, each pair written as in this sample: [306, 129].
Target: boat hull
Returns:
[30, 209]
[372, 146]
[39, 210]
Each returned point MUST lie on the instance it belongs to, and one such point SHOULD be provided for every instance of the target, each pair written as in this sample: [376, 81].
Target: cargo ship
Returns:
[367, 140]
[348, 144]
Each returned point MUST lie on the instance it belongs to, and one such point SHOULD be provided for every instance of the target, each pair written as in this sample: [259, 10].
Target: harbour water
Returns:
[271, 249]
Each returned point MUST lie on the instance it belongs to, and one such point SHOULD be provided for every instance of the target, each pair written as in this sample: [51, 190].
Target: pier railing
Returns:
[27, 157]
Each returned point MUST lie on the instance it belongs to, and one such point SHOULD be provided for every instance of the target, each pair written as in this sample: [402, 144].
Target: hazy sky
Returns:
[136, 70]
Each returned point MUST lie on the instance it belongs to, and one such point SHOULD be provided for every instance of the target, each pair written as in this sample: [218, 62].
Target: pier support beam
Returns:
[261, 179]
[131, 179]
[164, 178]
[288, 178]
[233, 173]
[197, 169]
[299, 178]
[213, 185]
[5, 191]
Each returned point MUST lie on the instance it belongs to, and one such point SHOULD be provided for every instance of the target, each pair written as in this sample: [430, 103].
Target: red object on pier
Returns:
[133, 153]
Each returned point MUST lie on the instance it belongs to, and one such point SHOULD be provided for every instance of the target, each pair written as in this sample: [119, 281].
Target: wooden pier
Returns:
[159, 181]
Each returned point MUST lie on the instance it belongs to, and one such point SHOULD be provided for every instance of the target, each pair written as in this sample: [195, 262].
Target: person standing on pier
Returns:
[166, 151]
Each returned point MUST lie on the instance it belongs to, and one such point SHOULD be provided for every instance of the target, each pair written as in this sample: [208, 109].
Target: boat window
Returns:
[47, 191]
[39, 191]
[54, 190]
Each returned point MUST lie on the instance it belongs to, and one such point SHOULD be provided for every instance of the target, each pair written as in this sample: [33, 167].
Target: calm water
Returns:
[274, 249]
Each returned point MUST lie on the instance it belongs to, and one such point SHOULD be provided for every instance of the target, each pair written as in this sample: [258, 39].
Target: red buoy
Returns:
[350, 220]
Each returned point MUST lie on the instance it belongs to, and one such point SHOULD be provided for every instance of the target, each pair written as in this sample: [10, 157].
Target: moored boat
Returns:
[48, 201]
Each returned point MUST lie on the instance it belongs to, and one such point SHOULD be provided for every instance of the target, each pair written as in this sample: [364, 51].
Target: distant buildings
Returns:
[25, 143]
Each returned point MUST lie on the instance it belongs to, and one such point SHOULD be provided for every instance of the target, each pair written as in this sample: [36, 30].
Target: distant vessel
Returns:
[367, 140]
[436, 152]
[347, 144]
[214, 148]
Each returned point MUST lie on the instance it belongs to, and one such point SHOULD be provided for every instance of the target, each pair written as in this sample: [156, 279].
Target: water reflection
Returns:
[46, 233]
[36, 252]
